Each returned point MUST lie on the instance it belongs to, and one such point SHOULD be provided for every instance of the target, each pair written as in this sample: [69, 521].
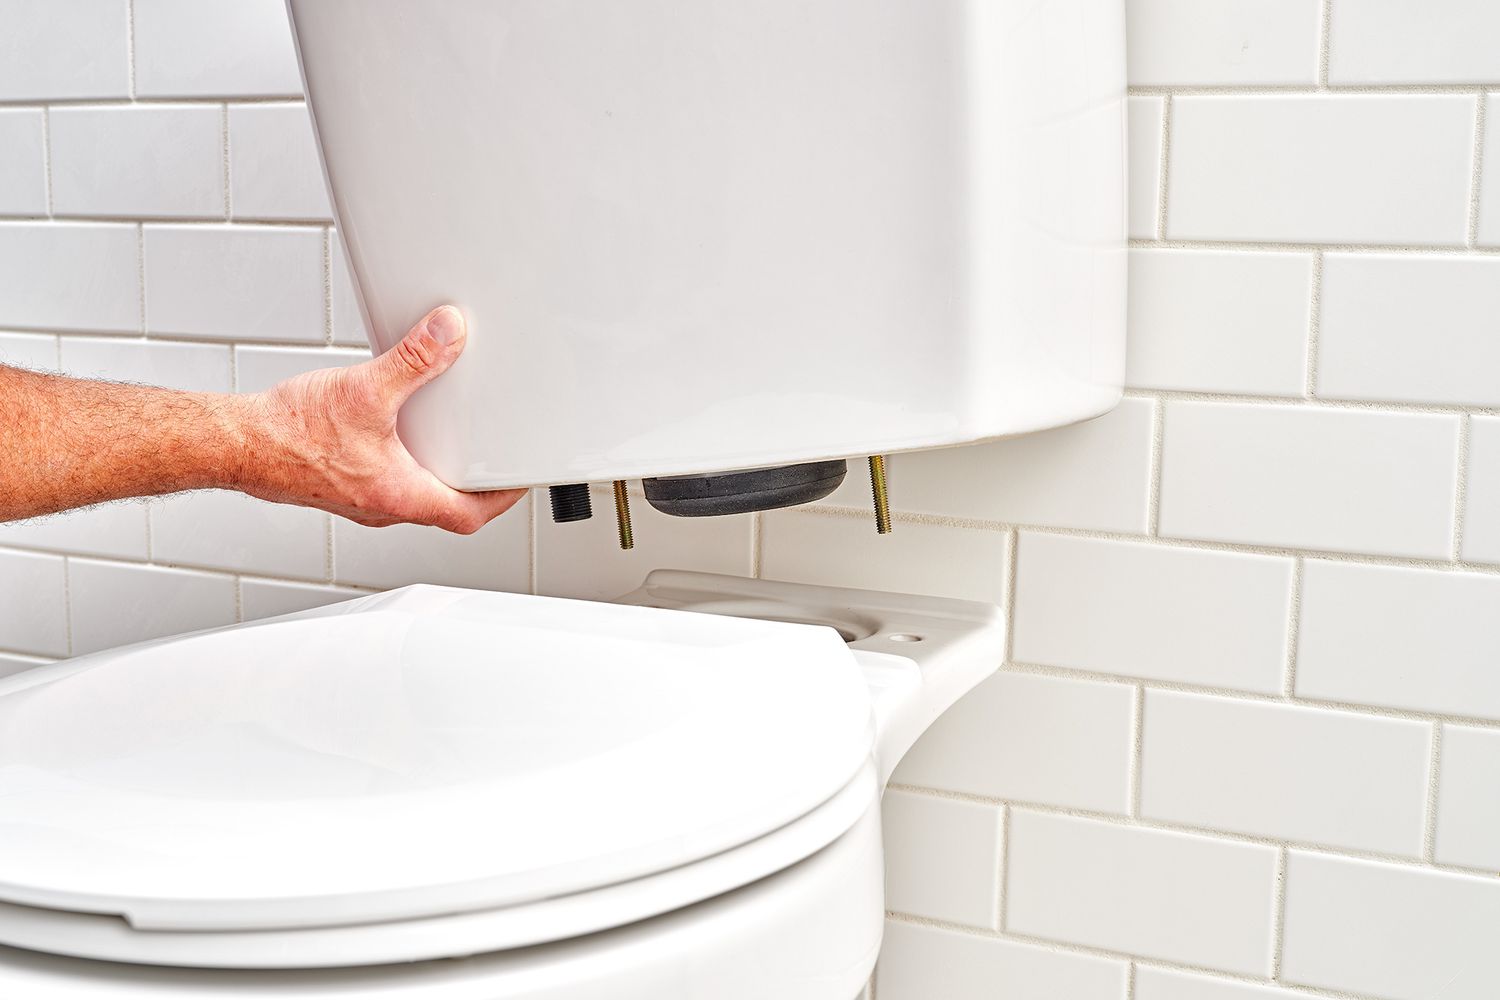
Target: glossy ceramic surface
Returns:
[694, 235]
[422, 752]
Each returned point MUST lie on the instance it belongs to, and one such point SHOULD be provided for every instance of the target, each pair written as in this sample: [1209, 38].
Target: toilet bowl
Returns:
[440, 792]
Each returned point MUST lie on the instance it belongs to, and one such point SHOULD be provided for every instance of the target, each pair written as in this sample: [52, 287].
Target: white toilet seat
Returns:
[432, 755]
[758, 747]
[110, 937]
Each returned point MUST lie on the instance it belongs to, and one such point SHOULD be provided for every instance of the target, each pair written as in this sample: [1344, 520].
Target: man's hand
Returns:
[325, 439]
[328, 439]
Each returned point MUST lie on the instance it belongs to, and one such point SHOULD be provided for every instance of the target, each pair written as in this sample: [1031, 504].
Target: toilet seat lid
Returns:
[427, 751]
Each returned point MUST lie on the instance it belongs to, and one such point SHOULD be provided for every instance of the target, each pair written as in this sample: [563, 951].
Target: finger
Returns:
[427, 500]
[427, 350]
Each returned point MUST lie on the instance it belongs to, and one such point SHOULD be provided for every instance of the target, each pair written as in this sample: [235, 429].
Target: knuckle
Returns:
[417, 352]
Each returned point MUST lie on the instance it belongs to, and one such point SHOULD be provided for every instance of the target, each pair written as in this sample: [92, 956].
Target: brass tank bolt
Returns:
[882, 502]
[622, 515]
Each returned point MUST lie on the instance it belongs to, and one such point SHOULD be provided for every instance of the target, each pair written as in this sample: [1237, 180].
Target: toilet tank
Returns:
[692, 236]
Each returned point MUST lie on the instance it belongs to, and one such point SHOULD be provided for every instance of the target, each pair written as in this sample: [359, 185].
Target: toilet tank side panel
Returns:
[696, 235]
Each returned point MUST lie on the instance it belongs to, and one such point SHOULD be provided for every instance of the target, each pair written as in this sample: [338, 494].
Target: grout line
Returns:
[531, 550]
[239, 598]
[1167, 541]
[1320, 402]
[148, 102]
[1130, 982]
[68, 602]
[1293, 633]
[1164, 169]
[1461, 488]
[1158, 440]
[1154, 684]
[224, 145]
[757, 550]
[1260, 246]
[328, 287]
[328, 568]
[1003, 904]
[1147, 962]
[1278, 916]
[1314, 328]
[1476, 176]
[1434, 774]
[184, 222]
[47, 156]
[130, 48]
[1008, 593]
[1325, 43]
[140, 273]
[1137, 748]
[1300, 89]
[1409, 861]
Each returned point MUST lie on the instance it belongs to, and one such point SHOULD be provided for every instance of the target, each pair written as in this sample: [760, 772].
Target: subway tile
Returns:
[23, 163]
[838, 551]
[1414, 41]
[13, 663]
[1095, 474]
[33, 604]
[1468, 805]
[1165, 613]
[227, 282]
[1144, 117]
[1283, 771]
[1301, 168]
[274, 171]
[496, 557]
[348, 325]
[934, 963]
[35, 351]
[132, 161]
[1401, 638]
[1481, 542]
[54, 50]
[1032, 739]
[1152, 983]
[584, 559]
[69, 276]
[258, 368]
[117, 603]
[115, 530]
[1303, 477]
[1218, 321]
[1173, 896]
[1222, 42]
[194, 367]
[269, 598]
[942, 858]
[1390, 931]
[214, 48]
[1489, 181]
[224, 530]
[1409, 328]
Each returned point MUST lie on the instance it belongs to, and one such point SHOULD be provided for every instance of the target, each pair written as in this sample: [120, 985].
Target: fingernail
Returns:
[445, 325]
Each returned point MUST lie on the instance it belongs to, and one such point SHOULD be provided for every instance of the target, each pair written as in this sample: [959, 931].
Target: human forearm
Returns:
[324, 439]
[70, 442]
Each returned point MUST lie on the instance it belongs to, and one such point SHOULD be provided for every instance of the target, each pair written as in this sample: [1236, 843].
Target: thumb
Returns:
[427, 350]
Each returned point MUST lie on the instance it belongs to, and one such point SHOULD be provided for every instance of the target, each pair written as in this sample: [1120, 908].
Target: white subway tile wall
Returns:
[1218, 321]
[1246, 743]
[118, 162]
[23, 163]
[938, 848]
[1468, 805]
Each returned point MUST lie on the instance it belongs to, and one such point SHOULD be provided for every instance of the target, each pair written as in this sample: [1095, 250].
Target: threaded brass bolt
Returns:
[622, 515]
[882, 502]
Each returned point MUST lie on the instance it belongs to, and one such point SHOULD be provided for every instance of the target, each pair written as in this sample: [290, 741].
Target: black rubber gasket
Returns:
[745, 492]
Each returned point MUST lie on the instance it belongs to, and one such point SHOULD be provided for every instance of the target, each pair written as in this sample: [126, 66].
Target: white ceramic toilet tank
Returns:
[692, 236]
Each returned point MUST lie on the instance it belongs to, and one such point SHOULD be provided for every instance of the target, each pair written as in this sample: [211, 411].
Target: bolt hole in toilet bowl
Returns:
[509, 796]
